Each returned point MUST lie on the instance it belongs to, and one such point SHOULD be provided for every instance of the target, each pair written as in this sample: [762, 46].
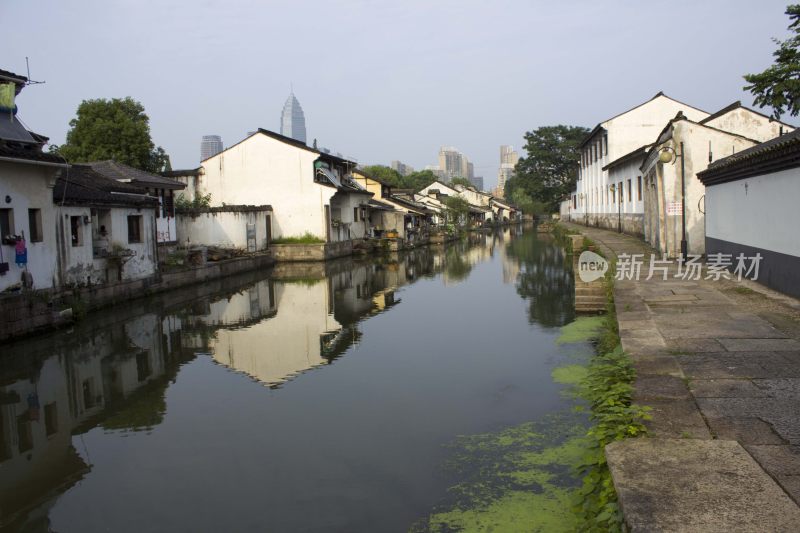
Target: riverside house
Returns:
[105, 229]
[27, 214]
[309, 192]
[157, 186]
[690, 146]
[592, 202]
[751, 209]
[393, 214]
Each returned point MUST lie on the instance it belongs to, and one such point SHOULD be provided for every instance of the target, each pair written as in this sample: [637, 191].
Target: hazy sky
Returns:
[382, 80]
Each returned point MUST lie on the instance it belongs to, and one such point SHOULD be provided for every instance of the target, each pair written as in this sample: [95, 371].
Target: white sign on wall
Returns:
[674, 208]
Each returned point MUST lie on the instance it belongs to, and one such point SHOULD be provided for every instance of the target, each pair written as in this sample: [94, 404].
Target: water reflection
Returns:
[113, 371]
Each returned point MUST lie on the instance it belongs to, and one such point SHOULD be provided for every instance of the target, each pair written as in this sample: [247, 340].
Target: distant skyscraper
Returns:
[210, 146]
[508, 160]
[453, 163]
[402, 168]
[293, 121]
[477, 181]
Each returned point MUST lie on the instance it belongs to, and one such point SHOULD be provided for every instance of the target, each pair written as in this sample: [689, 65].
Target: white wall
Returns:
[30, 187]
[762, 215]
[749, 124]
[227, 229]
[264, 171]
[696, 141]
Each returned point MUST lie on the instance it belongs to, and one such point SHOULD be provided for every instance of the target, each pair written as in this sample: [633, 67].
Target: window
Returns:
[35, 225]
[355, 214]
[620, 192]
[50, 418]
[89, 399]
[6, 222]
[134, 228]
[639, 188]
[630, 191]
[75, 231]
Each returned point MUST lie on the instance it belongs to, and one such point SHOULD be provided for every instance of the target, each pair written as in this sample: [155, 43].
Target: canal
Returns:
[360, 395]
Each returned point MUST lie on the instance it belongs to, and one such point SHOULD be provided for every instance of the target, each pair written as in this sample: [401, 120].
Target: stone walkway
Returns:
[718, 362]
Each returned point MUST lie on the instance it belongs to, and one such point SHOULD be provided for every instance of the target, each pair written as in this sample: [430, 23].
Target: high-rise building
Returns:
[293, 121]
[477, 181]
[453, 163]
[508, 160]
[210, 146]
[402, 168]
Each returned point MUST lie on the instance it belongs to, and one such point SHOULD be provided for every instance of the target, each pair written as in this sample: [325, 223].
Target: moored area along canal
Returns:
[422, 391]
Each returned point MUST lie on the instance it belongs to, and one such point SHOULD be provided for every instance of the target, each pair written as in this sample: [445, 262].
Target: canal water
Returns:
[359, 395]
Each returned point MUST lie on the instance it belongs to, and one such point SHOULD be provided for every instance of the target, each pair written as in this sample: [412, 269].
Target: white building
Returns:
[310, 192]
[613, 139]
[105, 230]
[27, 178]
[693, 145]
[163, 188]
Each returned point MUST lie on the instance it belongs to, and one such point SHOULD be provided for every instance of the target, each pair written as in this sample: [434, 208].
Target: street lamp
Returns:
[619, 204]
[667, 154]
[583, 205]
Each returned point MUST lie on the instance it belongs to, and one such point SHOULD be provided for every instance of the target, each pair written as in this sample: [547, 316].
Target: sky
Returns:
[380, 81]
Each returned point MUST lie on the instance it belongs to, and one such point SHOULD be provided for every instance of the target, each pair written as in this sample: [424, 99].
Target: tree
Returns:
[778, 86]
[415, 180]
[458, 180]
[115, 129]
[457, 210]
[550, 170]
[387, 175]
[419, 180]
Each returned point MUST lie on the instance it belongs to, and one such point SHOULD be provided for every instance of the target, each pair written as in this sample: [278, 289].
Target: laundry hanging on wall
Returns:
[21, 252]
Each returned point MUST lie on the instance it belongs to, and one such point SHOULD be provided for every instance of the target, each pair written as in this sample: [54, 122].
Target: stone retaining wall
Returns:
[310, 252]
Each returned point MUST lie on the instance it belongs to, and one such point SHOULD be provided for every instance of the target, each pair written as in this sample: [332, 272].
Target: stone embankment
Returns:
[718, 362]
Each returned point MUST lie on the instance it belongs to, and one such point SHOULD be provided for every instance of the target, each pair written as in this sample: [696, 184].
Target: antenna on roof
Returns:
[28, 67]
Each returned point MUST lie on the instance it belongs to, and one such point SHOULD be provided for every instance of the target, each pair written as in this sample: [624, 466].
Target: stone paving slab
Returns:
[718, 375]
[766, 345]
[697, 486]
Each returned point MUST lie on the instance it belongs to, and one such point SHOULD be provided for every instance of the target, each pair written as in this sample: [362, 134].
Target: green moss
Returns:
[569, 374]
[584, 328]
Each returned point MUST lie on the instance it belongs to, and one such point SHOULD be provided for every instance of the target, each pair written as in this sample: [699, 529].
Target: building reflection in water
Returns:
[113, 370]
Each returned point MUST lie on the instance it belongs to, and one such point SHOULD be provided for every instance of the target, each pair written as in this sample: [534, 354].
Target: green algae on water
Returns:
[519, 479]
[570, 374]
[582, 329]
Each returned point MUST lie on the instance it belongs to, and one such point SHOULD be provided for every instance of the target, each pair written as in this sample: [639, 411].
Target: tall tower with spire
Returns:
[293, 121]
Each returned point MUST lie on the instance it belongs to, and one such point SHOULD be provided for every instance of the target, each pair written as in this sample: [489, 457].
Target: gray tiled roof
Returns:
[121, 172]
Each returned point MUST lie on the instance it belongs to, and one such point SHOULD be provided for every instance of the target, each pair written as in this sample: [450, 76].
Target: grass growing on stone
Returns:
[306, 238]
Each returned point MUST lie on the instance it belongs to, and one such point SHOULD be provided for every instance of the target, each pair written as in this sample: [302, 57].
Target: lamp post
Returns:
[667, 154]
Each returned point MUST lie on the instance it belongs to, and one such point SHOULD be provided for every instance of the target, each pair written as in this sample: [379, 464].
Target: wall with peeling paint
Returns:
[28, 186]
[226, 229]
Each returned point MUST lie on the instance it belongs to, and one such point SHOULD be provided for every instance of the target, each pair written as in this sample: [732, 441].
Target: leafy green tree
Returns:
[385, 174]
[458, 180]
[419, 180]
[115, 129]
[549, 172]
[457, 210]
[778, 86]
